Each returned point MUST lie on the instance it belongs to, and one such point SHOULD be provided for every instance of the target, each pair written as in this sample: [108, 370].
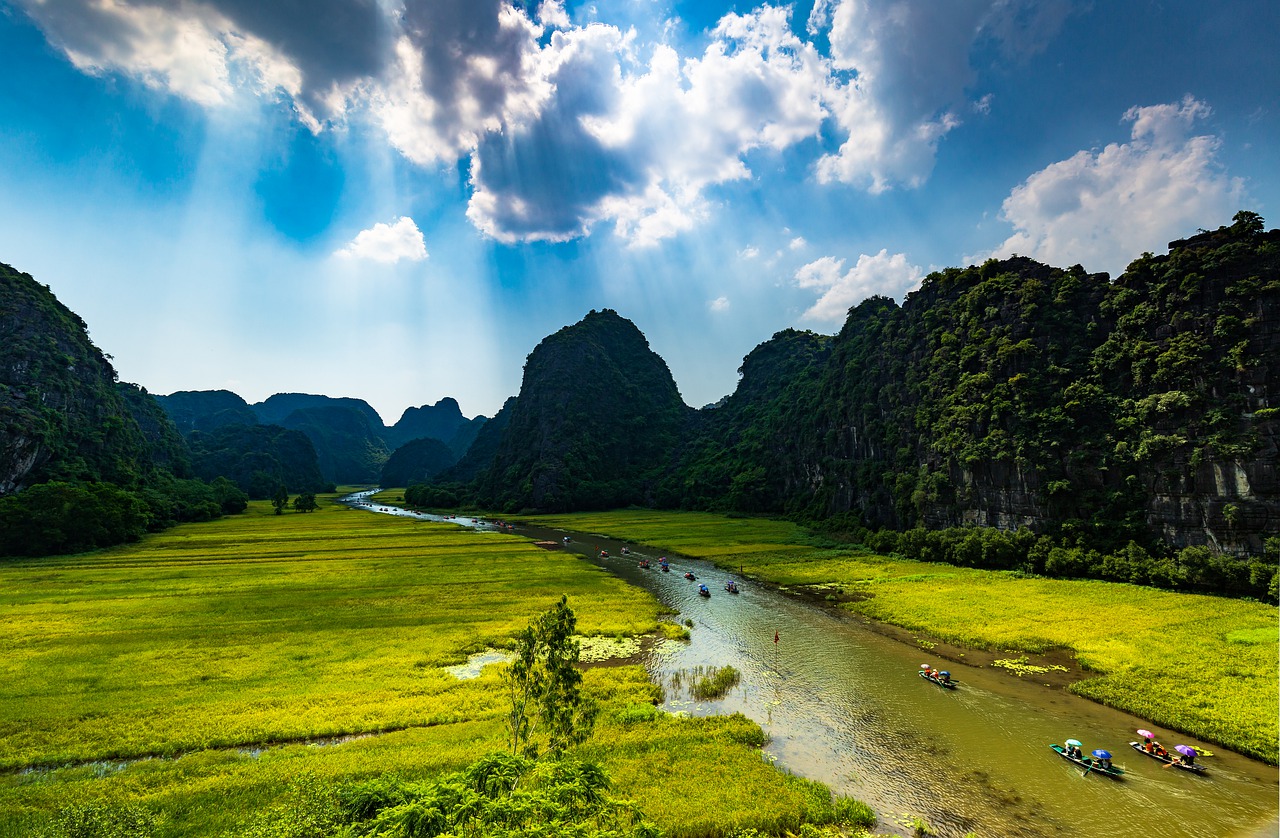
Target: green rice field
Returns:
[201, 671]
[1201, 664]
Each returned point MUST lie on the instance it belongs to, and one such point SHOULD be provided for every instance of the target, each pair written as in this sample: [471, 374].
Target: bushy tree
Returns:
[280, 500]
[544, 686]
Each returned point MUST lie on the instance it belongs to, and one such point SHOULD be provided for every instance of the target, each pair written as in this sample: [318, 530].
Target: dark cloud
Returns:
[546, 181]
[330, 41]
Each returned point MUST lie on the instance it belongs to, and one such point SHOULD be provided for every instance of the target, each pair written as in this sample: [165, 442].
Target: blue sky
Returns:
[396, 201]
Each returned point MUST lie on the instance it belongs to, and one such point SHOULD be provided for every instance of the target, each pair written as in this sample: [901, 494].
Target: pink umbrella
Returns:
[1146, 733]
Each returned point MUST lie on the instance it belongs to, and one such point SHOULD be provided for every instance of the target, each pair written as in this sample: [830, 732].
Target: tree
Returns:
[305, 502]
[543, 684]
[280, 500]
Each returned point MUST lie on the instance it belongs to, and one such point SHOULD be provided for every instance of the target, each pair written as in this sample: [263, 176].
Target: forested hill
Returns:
[351, 443]
[1008, 394]
[1014, 393]
[596, 422]
[63, 415]
[85, 461]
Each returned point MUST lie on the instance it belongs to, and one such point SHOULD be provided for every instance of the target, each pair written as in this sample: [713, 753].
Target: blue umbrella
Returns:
[945, 674]
[1101, 754]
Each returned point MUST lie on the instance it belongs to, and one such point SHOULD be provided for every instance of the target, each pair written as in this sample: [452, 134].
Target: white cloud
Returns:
[1102, 208]
[912, 67]
[387, 243]
[749, 252]
[719, 304]
[193, 51]
[891, 276]
[552, 15]
[797, 243]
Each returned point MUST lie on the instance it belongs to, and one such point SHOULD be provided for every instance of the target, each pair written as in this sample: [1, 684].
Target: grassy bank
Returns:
[162, 671]
[1203, 665]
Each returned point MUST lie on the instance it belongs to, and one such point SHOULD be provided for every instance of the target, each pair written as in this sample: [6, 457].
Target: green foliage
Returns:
[58, 517]
[499, 795]
[305, 502]
[543, 683]
[1190, 569]
[95, 819]
[280, 499]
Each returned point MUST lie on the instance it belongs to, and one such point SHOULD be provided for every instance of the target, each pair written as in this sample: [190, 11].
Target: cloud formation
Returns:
[387, 243]
[1102, 208]
[569, 127]
[637, 142]
[891, 276]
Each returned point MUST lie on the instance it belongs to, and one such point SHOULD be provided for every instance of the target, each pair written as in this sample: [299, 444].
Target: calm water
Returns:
[844, 705]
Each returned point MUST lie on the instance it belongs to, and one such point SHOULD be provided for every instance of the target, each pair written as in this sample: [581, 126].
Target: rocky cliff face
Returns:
[1017, 394]
[61, 416]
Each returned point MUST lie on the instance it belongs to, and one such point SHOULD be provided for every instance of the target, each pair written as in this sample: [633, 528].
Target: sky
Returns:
[396, 201]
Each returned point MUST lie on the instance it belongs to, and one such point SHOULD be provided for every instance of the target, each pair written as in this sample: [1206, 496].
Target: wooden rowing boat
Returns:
[949, 684]
[1168, 759]
[1090, 764]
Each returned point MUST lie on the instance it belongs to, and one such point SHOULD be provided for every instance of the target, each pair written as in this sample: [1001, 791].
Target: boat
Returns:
[688, 574]
[604, 554]
[644, 563]
[942, 679]
[1091, 765]
[1168, 759]
[702, 591]
[731, 586]
[665, 568]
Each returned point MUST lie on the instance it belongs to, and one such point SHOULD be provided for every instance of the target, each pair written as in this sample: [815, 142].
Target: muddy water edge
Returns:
[843, 704]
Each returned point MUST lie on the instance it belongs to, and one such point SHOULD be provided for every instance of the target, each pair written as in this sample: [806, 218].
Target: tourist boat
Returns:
[1168, 759]
[731, 586]
[688, 574]
[1090, 764]
[942, 679]
[702, 591]
[644, 563]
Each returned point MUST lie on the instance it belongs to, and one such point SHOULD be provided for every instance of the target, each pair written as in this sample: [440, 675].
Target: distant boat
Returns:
[731, 586]
[702, 591]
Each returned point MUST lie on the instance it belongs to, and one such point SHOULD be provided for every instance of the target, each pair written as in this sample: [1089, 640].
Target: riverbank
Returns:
[1198, 664]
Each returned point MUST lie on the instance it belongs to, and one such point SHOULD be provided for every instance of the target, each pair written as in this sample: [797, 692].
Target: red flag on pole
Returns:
[775, 637]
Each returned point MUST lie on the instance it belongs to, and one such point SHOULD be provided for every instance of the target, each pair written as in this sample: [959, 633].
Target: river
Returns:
[844, 705]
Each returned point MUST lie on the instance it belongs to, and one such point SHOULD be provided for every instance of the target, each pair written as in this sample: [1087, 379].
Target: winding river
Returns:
[844, 705]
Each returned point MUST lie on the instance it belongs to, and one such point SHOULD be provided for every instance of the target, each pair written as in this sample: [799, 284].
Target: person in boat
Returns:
[1073, 751]
[1104, 763]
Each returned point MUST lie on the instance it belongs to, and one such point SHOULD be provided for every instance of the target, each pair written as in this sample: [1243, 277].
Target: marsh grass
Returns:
[1200, 664]
[716, 683]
